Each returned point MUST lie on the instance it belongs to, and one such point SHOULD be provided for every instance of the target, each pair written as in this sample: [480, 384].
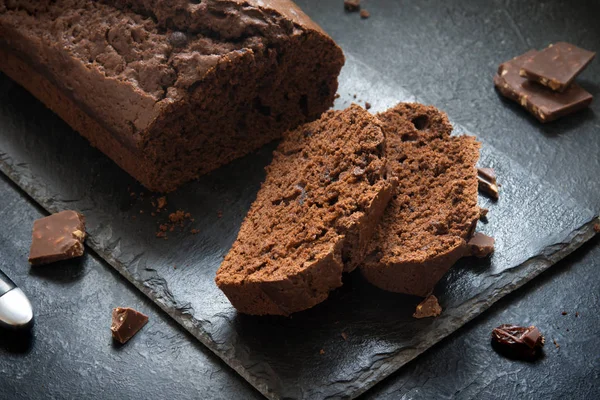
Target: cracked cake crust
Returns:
[171, 91]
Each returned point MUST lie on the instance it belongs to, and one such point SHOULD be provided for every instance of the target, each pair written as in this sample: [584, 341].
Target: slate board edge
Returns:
[469, 310]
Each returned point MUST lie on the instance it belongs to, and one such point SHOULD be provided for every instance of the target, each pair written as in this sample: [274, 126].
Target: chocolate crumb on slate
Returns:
[321, 352]
[126, 322]
[352, 5]
[487, 182]
[194, 231]
[57, 237]
[577, 314]
[367, 105]
[564, 313]
[364, 14]
[161, 203]
[518, 342]
[428, 308]
[483, 212]
[337, 96]
[481, 245]
[344, 336]
[556, 344]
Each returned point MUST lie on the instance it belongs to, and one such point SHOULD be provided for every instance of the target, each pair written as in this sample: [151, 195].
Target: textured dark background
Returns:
[445, 53]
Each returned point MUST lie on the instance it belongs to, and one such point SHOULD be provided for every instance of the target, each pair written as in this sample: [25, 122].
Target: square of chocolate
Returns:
[545, 104]
[557, 65]
[57, 237]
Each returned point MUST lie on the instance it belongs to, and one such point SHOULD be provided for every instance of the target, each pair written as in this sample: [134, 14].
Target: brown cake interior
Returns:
[323, 196]
[434, 210]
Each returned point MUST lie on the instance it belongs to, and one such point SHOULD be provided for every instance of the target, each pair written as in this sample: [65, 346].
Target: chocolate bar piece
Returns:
[57, 237]
[428, 308]
[557, 65]
[486, 178]
[517, 341]
[540, 101]
[126, 322]
[481, 245]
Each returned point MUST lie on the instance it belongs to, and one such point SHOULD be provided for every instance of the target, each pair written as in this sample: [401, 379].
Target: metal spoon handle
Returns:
[6, 284]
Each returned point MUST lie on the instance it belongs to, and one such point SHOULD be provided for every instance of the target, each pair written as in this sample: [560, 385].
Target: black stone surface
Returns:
[575, 165]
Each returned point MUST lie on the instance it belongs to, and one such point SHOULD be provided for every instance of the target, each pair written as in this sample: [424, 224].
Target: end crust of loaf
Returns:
[313, 218]
[434, 212]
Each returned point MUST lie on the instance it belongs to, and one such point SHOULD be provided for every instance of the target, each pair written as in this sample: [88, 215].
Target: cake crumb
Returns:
[564, 313]
[337, 96]
[161, 234]
[344, 336]
[364, 14]
[352, 5]
[163, 227]
[161, 203]
[153, 214]
[219, 214]
[177, 216]
[321, 352]
[174, 266]
[556, 344]
[428, 308]
[367, 105]
[194, 231]
[577, 314]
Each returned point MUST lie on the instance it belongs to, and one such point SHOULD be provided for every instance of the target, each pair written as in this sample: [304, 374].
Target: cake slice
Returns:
[171, 89]
[434, 211]
[313, 217]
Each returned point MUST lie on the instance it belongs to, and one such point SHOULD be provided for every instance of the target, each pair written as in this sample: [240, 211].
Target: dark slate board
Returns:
[534, 226]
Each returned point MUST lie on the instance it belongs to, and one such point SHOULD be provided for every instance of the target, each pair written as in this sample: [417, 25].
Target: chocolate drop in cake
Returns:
[434, 211]
[313, 217]
[171, 89]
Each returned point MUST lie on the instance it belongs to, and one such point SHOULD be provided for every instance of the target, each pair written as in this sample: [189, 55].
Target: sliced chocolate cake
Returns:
[313, 217]
[434, 211]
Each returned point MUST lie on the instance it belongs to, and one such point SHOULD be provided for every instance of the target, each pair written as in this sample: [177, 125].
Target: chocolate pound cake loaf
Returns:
[434, 211]
[313, 217]
[171, 89]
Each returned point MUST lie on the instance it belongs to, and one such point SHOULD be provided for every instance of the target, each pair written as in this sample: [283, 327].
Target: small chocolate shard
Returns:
[367, 105]
[487, 182]
[481, 245]
[321, 352]
[126, 322]
[541, 102]
[364, 14]
[57, 237]
[352, 5]
[557, 65]
[483, 212]
[517, 341]
[428, 308]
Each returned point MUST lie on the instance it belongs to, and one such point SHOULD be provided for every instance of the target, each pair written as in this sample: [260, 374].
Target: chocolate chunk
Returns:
[483, 212]
[517, 341]
[57, 237]
[364, 14]
[352, 5]
[178, 39]
[487, 182]
[481, 245]
[557, 65]
[126, 322]
[428, 308]
[541, 102]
